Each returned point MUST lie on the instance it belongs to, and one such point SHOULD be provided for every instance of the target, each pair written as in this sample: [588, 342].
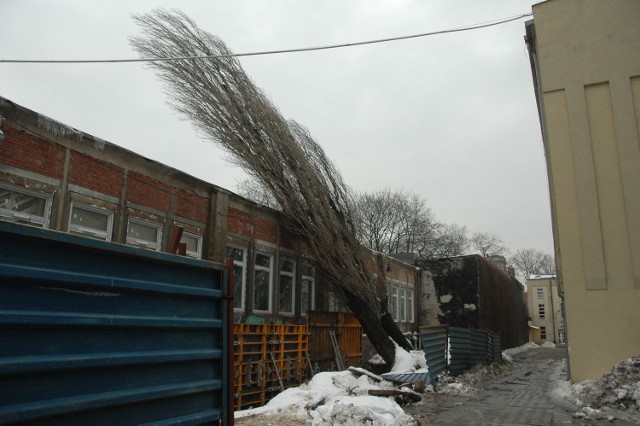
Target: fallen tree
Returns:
[226, 108]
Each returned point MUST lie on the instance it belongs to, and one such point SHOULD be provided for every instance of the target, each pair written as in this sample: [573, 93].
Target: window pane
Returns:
[394, 303]
[541, 310]
[286, 293]
[410, 305]
[23, 203]
[262, 260]
[90, 219]
[403, 312]
[261, 291]
[235, 254]
[307, 269]
[287, 266]
[143, 232]
[306, 294]
[191, 242]
[23, 207]
[238, 272]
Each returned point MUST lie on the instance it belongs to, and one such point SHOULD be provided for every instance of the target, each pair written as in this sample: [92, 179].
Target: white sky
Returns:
[450, 117]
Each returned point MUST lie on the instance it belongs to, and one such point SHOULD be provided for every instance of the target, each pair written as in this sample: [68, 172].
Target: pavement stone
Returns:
[521, 397]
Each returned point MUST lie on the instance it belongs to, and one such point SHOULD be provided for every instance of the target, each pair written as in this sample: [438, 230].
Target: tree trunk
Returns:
[394, 332]
[373, 328]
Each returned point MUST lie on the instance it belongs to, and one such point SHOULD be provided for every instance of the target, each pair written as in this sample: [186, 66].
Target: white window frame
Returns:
[540, 292]
[542, 311]
[312, 291]
[243, 265]
[269, 270]
[291, 275]
[410, 313]
[195, 254]
[403, 304]
[144, 243]
[32, 219]
[543, 333]
[84, 230]
[395, 311]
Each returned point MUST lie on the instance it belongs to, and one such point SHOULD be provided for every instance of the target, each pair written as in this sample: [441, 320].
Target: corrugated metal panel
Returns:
[434, 344]
[479, 349]
[99, 333]
[407, 378]
[460, 344]
[497, 348]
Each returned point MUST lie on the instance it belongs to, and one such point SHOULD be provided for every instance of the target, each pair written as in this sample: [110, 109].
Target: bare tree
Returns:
[255, 191]
[488, 244]
[379, 220]
[395, 222]
[226, 108]
[453, 240]
[532, 261]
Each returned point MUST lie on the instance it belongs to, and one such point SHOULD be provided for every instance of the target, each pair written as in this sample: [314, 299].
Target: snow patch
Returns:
[335, 398]
[445, 298]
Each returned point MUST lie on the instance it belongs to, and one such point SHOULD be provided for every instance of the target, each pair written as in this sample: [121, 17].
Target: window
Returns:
[410, 316]
[307, 291]
[287, 286]
[543, 333]
[333, 305]
[262, 283]
[394, 303]
[92, 222]
[403, 306]
[541, 309]
[144, 234]
[194, 244]
[239, 257]
[540, 292]
[24, 206]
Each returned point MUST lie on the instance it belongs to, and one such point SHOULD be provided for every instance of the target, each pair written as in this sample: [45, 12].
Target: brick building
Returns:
[57, 177]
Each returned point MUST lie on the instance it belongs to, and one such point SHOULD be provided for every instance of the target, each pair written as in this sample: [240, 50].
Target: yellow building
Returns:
[545, 308]
[586, 61]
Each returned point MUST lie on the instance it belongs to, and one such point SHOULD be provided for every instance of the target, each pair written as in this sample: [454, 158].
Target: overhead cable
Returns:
[268, 52]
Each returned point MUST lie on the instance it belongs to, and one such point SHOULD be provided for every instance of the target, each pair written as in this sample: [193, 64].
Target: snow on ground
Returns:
[342, 397]
[467, 383]
[615, 395]
[338, 398]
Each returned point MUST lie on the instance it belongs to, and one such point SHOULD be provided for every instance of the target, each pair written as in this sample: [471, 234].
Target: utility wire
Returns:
[268, 52]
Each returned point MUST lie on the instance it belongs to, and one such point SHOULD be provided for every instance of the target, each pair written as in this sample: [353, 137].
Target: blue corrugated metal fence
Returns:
[455, 349]
[99, 333]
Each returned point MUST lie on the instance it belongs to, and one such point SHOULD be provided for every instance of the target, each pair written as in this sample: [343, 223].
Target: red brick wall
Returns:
[148, 192]
[189, 205]
[239, 222]
[27, 152]
[266, 230]
[97, 175]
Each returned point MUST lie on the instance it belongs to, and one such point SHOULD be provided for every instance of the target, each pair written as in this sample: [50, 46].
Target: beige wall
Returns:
[588, 59]
[552, 320]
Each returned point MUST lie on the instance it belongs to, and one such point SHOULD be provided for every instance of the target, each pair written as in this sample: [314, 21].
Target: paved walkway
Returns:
[518, 398]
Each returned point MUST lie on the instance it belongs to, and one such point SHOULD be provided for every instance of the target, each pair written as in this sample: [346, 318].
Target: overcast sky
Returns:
[450, 117]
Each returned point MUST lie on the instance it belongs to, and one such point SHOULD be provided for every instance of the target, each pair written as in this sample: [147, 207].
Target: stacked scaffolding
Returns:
[268, 358]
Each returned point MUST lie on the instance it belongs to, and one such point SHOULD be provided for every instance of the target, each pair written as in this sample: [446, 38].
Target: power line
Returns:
[268, 52]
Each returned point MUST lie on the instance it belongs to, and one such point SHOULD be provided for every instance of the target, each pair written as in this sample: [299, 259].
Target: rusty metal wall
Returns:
[348, 332]
[264, 356]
